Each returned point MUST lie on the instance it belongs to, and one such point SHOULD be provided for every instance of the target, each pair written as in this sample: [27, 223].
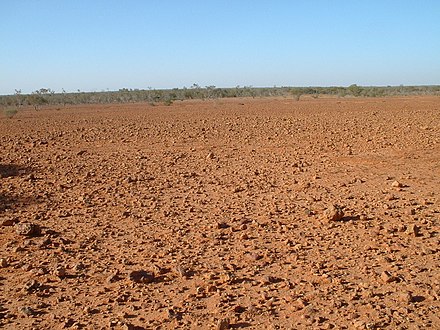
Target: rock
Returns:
[31, 286]
[255, 256]
[223, 324]
[182, 271]
[222, 225]
[413, 229]
[333, 213]
[4, 263]
[27, 229]
[396, 184]
[60, 272]
[244, 236]
[28, 311]
[239, 309]
[113, 277]
[8, 221]
[142, 276]
[405, 297]
[387, 277]
[410, 212]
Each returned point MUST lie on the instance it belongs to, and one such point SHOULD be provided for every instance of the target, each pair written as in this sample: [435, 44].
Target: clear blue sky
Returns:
[95, 45]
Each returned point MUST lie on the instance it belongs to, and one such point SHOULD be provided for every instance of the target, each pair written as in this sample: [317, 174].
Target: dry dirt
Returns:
[250, 213]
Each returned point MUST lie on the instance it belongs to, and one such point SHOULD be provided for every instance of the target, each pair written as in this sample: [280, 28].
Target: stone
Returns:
[223, 324]
[60, 272]
[387, 277]
[31, 286]
[8, 221]
[333, 213]
[113, 277]
[182, 271]
[28, 311]
[142, 276]
[413, 229]
[405, 297]
[4, 263]
[27, 229]
[396, 184]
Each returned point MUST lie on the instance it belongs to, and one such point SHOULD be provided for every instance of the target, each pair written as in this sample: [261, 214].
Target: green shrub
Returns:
[10, 112]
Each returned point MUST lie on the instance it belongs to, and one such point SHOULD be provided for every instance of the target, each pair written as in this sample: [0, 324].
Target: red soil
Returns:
[217, 214]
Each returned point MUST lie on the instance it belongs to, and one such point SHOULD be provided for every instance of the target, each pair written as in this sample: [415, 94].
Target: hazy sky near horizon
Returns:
[95, 45]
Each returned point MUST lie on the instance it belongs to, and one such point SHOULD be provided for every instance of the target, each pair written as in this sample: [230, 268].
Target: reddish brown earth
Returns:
[255, 214]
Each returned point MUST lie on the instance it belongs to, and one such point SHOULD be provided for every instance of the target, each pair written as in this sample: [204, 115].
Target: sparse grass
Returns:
[10, 112]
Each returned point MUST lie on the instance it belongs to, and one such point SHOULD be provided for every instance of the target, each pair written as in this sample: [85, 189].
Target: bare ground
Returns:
[250, 213]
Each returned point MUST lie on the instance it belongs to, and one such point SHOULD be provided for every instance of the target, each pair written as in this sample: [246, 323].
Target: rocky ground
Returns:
[250, 213]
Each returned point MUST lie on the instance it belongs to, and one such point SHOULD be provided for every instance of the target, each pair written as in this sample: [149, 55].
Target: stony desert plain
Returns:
[245, 213]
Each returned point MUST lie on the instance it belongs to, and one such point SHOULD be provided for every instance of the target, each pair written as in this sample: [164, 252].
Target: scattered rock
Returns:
[223, 324]
[396, 184]
[113, 277]
[405, 297]
[27, 229]
[182, 271]
[60, 272]
[31, 286]
[4, 263]
[387, 277]
[413, 229]
[255, 256]
[239, 309]
[8, 221]
[333, 213]
[142, 276]
[222, 225]
[28, 311]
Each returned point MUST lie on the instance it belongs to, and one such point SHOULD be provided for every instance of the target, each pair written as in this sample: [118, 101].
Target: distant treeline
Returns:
[46, 96]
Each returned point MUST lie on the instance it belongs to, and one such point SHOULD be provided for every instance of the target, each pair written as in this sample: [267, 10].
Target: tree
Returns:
[355, 90]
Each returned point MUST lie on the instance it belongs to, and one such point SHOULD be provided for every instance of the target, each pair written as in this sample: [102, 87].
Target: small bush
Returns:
[10, 112]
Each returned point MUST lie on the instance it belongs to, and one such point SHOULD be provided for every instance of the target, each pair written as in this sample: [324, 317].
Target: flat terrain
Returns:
[247, 213]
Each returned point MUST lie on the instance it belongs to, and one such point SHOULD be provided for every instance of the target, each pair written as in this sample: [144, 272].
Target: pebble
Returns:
[27, 229]
[6, 221]
[387, 277]
[60, 272]
[31, 286]
[142, 276]
[26, 310]
[182, 271]
[413, 229]
[223, 324]
[396, 184]
[405, 297]
[4, 263]
[333, 213]
[113, 277]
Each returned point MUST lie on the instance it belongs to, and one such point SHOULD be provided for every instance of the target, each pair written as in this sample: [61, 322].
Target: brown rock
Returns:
[387, 277]
[8, 221]
[333, 213]
[413, 229]
[27, 229]
[396, 184]
[60, 272]
[142, 276]
[4, 263]
[113, 277]
[405, 297]
[223, 324]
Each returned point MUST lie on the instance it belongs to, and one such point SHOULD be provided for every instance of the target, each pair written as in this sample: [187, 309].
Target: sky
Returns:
[95, 45]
